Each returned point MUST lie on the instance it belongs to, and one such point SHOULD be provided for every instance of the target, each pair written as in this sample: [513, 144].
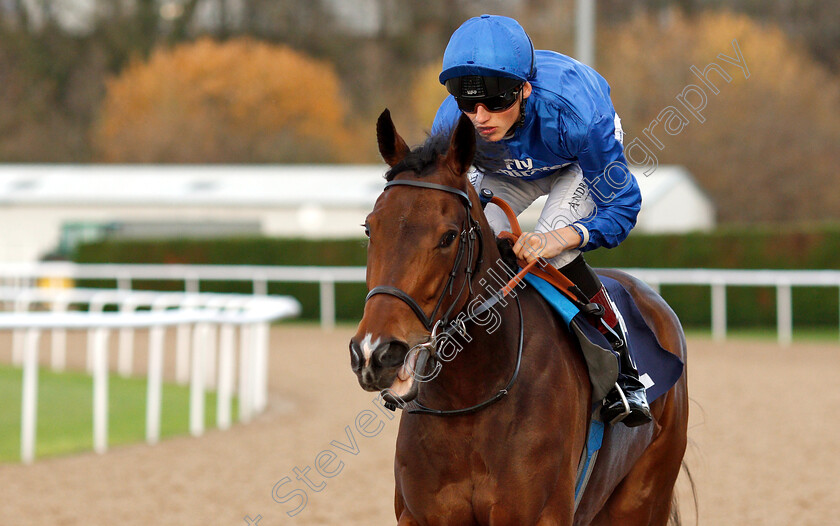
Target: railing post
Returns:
[22, 304]
[327, 299]
[246, 335]
[209, 359]
[784, 313]
[260, 286]
[95, 305]
[227, 343]
[719, 311]
[182, 347]
[124, 281]
[197, 380]
[29, 402]
[58, 343]
[100, 390]
[182, 353]
[154, 384]
[261, 368]
[191, 284]
[125, 350]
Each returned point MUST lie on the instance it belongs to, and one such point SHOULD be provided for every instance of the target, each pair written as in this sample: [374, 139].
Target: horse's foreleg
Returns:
[404, 518]
[407, 520]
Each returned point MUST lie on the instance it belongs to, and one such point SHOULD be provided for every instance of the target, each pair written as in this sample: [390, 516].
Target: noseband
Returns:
[470, 233]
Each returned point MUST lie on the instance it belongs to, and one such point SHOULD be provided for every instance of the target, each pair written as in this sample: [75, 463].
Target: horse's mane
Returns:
[489, 157]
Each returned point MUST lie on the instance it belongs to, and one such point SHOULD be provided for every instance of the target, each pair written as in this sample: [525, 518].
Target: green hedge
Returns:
[755, 248]
[814, 248]
[241, 251]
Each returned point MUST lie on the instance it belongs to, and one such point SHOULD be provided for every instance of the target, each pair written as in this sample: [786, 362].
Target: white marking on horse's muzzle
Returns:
[368, 347]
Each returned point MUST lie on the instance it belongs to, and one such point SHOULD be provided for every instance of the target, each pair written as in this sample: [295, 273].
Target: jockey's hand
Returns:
[533, 245]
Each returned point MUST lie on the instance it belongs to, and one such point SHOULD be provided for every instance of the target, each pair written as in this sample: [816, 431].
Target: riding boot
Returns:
[605, 318]
[627, 402]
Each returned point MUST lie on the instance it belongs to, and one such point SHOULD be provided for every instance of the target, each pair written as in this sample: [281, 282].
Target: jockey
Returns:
[563, 140]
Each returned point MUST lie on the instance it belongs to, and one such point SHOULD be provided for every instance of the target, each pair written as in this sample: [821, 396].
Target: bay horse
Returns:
[506, 420]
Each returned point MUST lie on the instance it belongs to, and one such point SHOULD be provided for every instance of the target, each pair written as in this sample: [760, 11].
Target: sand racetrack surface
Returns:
[765, 427]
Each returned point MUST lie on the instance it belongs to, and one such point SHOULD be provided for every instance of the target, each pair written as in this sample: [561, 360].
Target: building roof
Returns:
[210, 185]
[328, 186]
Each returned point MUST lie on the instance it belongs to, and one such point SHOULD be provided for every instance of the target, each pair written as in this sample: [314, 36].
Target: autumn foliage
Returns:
[427, 94]
[767, 149]
[237, 101]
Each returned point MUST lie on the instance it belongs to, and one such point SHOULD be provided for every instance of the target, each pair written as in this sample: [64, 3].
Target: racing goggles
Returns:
[494, 93]
[500, 102]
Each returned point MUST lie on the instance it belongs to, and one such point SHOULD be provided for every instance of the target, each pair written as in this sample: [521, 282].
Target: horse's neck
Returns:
[474, 367]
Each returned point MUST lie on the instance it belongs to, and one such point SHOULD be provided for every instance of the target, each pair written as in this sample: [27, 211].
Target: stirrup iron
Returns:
[624, 402]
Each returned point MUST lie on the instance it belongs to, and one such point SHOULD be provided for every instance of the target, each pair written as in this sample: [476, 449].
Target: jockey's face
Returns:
[493, 126]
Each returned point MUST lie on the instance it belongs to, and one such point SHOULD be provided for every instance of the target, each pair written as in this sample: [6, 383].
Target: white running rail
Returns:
[26, 274]
[200, 321]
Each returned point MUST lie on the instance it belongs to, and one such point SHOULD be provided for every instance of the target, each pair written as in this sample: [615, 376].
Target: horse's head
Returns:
[424, 245]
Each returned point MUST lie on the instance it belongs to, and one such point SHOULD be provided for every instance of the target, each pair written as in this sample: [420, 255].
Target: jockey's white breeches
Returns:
[568, 201]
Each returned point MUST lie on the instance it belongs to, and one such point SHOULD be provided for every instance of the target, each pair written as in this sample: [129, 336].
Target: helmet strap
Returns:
[520, 121]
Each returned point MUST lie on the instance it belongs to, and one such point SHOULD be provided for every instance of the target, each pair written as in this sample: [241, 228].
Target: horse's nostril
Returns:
[391, 354]
[355, 356]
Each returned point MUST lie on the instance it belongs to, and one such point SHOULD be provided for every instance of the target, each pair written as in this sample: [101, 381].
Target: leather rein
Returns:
[469, 236]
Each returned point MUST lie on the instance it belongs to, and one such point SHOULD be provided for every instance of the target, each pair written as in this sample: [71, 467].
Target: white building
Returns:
[673, 202]
[46, 207]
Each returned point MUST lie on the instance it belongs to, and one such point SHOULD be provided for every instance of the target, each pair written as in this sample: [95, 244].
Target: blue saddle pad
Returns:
[659, 369]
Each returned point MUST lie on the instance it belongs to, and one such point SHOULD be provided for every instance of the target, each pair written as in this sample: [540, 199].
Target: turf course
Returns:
[65, 412]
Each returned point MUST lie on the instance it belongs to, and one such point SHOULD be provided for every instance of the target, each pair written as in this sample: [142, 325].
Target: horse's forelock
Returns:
[422, 160]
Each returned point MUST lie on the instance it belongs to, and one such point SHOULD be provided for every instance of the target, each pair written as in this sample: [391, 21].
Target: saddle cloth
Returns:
[658, 369]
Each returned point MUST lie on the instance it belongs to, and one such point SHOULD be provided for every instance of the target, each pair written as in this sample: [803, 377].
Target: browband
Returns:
[423, 184]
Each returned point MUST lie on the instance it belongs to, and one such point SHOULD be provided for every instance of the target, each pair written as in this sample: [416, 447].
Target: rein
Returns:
[423, 410]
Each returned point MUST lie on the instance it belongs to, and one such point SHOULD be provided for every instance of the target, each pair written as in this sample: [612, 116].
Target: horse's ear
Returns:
[461, 147]
[392, 147]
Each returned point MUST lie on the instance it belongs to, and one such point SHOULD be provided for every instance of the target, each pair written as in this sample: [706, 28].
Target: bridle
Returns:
[470, 236]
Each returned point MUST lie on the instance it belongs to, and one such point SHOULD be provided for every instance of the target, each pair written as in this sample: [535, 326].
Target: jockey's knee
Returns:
[565, 257]
[497, 219]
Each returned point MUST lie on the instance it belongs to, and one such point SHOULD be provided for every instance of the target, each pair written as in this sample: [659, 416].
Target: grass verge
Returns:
[65, 412]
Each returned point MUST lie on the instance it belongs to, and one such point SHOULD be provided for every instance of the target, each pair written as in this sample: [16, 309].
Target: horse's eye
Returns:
[367, 230]
[448, 238]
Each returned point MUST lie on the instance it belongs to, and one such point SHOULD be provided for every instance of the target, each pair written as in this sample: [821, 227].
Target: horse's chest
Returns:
[476, 485]
[462, 500]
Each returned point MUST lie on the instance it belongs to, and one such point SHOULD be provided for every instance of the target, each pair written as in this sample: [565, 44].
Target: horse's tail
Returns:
[674, 519]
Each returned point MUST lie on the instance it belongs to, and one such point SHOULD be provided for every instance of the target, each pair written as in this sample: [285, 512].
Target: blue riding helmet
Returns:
[489, 46]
